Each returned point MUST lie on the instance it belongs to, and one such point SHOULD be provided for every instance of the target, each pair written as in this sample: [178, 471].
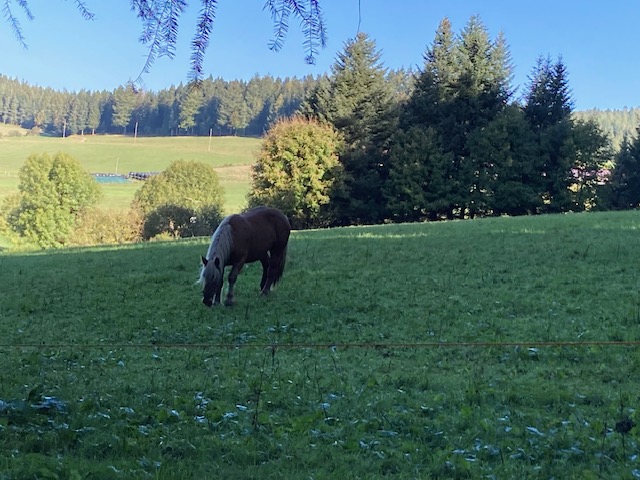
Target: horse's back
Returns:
[261, 229]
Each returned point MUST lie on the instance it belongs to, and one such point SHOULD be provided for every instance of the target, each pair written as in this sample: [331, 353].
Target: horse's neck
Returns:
[221, 242]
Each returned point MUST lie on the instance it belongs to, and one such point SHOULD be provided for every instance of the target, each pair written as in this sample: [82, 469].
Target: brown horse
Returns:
[261, 233]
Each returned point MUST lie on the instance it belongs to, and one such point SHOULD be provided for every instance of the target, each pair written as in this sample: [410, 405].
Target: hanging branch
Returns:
[13, 21]
[160, 29]
[200, 41]
[311, 22]
[315, 32]
[160, 20]
[82, 8]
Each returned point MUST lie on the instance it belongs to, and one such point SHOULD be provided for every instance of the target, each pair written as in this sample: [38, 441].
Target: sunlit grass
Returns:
[112, 368]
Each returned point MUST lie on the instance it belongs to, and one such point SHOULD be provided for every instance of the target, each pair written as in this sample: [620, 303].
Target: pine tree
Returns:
[548, 108]
[189, 106]
[233, 112]
[461, 89]
[124, 101]
[625, 177]
[358, 101]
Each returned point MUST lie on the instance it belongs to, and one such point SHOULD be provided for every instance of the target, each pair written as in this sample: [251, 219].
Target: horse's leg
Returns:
[233, 276]
[265, 266]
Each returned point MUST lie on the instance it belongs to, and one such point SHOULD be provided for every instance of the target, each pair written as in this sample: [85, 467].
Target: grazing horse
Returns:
[261, 233]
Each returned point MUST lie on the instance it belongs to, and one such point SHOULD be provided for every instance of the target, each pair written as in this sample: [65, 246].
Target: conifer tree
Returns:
[548, 107]
[462, 88]
[358, 101]
[124, 102]
[625, 177]
[189, 107]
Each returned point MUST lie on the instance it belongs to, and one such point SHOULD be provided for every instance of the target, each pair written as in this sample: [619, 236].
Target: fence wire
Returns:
[331, 346]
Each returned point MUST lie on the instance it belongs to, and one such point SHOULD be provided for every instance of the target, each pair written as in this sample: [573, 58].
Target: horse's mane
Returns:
[221, 243]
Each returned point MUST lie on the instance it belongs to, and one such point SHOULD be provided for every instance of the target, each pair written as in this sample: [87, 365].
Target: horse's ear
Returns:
[204, 261]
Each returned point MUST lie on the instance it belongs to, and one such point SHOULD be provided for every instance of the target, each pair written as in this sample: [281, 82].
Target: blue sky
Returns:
[598, 42]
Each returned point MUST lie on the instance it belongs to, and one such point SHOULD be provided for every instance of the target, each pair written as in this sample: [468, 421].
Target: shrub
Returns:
[107, 227]
[184, 200]
[180, 222]
[297, 169]
[54, 191]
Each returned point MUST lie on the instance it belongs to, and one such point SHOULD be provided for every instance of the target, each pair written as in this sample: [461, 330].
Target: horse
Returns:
[260, 234]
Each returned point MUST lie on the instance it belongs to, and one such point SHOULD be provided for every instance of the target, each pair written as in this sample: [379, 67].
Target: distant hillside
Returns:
[615, 123]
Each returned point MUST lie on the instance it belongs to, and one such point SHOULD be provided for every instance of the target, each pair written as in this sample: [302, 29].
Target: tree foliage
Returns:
[184, 200]
[124, 103]
[623, 191]
[359, 102]
[54, 192]
[448, 142]
[297, 171]
[224, 107]
[462, 88]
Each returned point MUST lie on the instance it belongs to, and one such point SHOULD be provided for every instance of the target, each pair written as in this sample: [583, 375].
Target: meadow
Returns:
[493, 348]
[230, 156]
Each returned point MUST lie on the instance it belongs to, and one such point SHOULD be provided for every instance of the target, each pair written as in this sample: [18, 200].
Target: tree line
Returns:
[216, 106]
[460, 145]
[367, 146]
[223, 107]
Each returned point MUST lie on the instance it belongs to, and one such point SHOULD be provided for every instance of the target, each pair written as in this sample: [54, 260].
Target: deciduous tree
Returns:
[298, 171]
[54, 191]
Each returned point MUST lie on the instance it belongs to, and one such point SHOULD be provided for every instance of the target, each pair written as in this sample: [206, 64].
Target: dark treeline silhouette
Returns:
[223, 107]
[461, 144]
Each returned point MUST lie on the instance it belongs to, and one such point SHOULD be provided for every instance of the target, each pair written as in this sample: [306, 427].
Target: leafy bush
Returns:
[180, 222]
[54, 191]
[297, 169]
[184, 200]
[100, 227]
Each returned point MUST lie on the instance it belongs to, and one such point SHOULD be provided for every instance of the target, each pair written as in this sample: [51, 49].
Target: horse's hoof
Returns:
[228, 303]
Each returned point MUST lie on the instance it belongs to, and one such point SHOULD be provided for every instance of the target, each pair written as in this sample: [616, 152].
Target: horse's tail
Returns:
[279, 266]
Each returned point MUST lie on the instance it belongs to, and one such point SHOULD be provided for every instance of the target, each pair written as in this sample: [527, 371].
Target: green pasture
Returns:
[494, 348]
[230, 156]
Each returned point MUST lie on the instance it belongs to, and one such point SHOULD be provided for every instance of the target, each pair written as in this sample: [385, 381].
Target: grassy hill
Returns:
[230, 156]
[493, 348]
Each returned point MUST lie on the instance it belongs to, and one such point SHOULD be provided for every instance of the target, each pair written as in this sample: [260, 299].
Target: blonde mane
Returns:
[221, 243]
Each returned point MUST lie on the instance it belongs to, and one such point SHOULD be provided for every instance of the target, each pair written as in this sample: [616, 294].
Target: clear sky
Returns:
[597, 40]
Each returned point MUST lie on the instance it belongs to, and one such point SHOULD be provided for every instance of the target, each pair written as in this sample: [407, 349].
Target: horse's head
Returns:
[211, 279]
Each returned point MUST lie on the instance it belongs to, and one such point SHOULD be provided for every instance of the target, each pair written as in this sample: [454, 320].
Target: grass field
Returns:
[495, 348]
[230, 156]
